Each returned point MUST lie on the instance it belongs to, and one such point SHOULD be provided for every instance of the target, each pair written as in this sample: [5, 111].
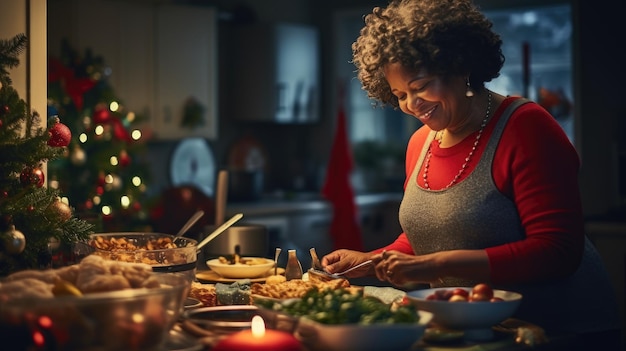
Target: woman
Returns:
[491, 191]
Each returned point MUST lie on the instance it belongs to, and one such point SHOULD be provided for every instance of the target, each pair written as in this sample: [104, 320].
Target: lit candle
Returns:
[257, 338]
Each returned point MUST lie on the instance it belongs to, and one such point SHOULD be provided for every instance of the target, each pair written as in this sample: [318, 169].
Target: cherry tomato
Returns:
[458, 298]
[460, 292]
[475, 297]
[483, 289]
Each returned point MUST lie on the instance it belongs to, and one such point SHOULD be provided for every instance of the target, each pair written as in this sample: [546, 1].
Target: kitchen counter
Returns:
[301, 202]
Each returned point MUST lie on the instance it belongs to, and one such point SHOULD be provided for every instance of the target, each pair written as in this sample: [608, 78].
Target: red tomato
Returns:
[461, 292]
[431, 297]
[479, 297]
[458, 298]
[483, 289]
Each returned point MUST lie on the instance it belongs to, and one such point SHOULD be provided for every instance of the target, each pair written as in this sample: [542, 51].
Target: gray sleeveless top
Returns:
[474, 214]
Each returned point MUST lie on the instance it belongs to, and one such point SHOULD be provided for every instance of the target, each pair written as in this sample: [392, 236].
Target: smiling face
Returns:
[437, 102]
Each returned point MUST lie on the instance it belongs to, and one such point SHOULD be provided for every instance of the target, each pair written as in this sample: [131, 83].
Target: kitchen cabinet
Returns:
[276, 73]
[160, 57]
[186, 72]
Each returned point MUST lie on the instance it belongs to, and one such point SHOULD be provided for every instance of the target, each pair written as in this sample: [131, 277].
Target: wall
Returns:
[29, 77]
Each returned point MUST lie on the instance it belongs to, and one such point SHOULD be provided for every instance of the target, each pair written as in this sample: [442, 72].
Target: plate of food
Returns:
[345, 320]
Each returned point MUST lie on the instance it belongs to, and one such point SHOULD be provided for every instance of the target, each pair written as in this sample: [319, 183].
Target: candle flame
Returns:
[258, 326]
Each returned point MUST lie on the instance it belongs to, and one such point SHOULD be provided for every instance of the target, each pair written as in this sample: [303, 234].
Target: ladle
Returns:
[219, 230]
[190, 222]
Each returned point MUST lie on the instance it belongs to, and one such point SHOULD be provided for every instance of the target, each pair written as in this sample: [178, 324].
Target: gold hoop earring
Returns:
[468, 91]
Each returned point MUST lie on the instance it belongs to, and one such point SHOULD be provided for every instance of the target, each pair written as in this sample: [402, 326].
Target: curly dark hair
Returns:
[445, 37]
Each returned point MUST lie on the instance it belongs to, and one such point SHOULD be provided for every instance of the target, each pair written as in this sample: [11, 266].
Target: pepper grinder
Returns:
[293, 270]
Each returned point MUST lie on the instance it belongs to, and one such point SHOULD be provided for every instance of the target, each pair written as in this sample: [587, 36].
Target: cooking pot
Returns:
[245, 239]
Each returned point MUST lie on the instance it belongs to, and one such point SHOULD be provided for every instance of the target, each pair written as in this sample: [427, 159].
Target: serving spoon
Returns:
[219, 230]
[190, 222]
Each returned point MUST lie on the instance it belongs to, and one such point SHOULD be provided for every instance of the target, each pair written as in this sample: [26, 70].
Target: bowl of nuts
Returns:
[158, 250]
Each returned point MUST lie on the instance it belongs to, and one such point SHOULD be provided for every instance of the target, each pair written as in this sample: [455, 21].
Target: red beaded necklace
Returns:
[467, 159]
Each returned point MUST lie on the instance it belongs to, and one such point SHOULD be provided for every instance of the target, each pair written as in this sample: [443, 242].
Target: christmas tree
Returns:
[32, 216]
[103, 176]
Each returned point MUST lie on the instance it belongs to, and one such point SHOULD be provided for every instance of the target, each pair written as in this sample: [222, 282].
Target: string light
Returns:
[114, 106]
[136, 181]
[82, 138]
[114, 161]
[136, 134]
[106, 210]
[125, 201]
[99, 130]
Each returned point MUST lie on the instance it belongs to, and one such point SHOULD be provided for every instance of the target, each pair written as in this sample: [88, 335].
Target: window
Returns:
[544, 36]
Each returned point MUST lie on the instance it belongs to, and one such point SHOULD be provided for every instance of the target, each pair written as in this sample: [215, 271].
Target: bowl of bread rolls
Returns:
[96, 304]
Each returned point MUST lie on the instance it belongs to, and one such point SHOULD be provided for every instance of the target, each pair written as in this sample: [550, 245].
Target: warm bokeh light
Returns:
[96, 200]
[130, 117]
[125, 201]
[106, 210]
[136, 134]
[82, 138]
[114, 106]
[99, 130]
[108, 179]
[114, 161]
[136, 181]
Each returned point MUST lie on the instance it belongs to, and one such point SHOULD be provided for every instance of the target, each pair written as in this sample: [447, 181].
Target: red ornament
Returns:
[124, 158]
[60, 135]
[4, 110]
[32, 176]
[101, 114]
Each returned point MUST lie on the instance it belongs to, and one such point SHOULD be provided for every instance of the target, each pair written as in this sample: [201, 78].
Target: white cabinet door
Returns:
[159, 56]
[185, 72]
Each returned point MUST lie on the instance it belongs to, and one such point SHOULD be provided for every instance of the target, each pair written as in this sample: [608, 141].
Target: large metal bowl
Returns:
[149, 248]
[131, 319]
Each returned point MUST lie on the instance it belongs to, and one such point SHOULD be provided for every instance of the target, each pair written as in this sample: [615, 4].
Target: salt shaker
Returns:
[293, 270]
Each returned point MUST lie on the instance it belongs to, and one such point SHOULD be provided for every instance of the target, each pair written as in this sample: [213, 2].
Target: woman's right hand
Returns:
[342, 259]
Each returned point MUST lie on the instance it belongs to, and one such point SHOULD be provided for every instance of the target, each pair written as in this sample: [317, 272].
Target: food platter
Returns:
[209, 276]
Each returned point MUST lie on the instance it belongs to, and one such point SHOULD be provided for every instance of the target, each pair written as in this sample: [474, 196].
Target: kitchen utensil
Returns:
[278, 249]
[221, 197]
[192, 220]
[219, 230]
[337, 275]
[315, 261]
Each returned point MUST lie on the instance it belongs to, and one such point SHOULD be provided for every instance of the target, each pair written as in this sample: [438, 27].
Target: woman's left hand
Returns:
[401, 269]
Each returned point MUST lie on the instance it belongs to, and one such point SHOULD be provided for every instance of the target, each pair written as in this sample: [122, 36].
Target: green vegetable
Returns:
[343, 307]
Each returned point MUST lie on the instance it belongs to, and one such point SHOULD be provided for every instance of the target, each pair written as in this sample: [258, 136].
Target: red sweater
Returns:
[536, 166]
